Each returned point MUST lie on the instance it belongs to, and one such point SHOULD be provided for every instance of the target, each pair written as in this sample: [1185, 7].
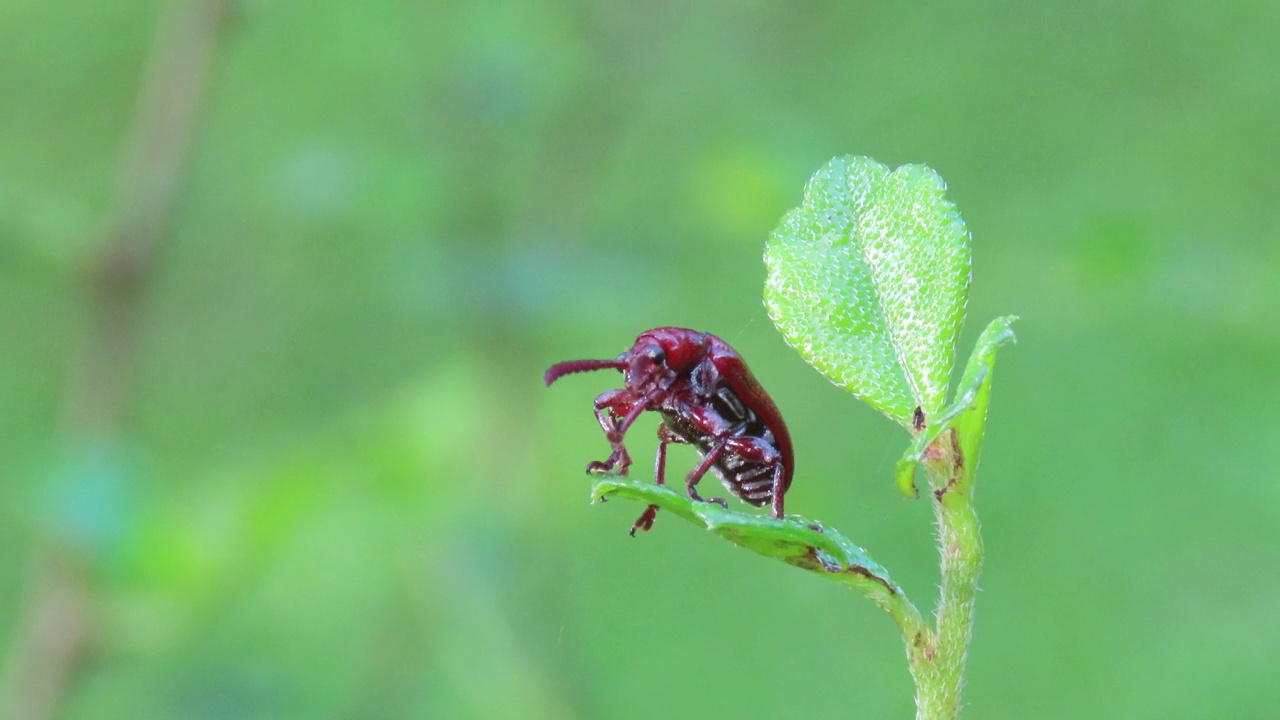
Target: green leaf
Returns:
[968, 412]
[793, 540]
[868, 280]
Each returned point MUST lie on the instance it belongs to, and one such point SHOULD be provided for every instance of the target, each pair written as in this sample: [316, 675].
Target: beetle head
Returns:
[663, 354]
[683, 349]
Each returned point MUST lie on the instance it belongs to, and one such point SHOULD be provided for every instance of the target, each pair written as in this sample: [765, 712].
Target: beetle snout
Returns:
[643, 364]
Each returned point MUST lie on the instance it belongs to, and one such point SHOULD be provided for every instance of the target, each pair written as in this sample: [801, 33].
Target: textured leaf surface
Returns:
[868, 280]
[968, 412]
[793, 540]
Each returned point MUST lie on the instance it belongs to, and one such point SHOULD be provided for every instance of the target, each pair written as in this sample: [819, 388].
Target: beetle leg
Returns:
[607, 405]
[665, 437]
[645, 521]
[710, 423]
[701, 469]
[620, 455]
[616, 410]
[777, 491]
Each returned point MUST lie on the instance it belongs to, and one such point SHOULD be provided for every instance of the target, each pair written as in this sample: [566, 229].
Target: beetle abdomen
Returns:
[749, 480]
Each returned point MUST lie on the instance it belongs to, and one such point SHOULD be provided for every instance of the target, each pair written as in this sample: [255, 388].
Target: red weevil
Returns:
[707, 398]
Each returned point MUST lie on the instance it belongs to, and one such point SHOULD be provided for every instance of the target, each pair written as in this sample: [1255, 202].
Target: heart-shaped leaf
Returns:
[868, 280]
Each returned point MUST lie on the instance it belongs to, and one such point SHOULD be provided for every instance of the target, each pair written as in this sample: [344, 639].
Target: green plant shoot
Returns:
[868, 280]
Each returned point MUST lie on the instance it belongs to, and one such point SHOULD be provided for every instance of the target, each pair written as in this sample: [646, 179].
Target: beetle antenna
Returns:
[559, 370]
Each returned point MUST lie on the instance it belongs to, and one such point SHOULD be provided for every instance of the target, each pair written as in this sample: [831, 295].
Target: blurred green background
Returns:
[298, 461]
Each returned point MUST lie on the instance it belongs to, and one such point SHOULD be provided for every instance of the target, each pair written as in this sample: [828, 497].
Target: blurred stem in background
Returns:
[55, 625]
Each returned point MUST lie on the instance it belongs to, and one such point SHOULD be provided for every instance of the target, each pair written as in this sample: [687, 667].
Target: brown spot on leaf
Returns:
[809, 561]
[863, 572]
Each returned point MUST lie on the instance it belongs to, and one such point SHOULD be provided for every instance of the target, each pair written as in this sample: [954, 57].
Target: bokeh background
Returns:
[276, 292]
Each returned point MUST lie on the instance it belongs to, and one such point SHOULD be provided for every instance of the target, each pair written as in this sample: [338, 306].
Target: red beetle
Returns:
[709, 399]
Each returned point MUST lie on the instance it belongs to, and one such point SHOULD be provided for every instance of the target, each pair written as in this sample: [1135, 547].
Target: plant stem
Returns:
[937, 665]
[55, 627]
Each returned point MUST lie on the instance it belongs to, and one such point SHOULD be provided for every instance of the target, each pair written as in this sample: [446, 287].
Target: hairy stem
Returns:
[938, 665]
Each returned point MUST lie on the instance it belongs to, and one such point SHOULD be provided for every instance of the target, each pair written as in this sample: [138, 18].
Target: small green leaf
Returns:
[968, 412]
[868, 280]
[793, 540]
[972, 422]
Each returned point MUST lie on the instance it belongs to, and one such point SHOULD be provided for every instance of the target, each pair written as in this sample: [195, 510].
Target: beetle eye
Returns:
[659, 357]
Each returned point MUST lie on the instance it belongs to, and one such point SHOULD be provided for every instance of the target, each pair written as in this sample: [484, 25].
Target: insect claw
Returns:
[645, 521]
[595, 467]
